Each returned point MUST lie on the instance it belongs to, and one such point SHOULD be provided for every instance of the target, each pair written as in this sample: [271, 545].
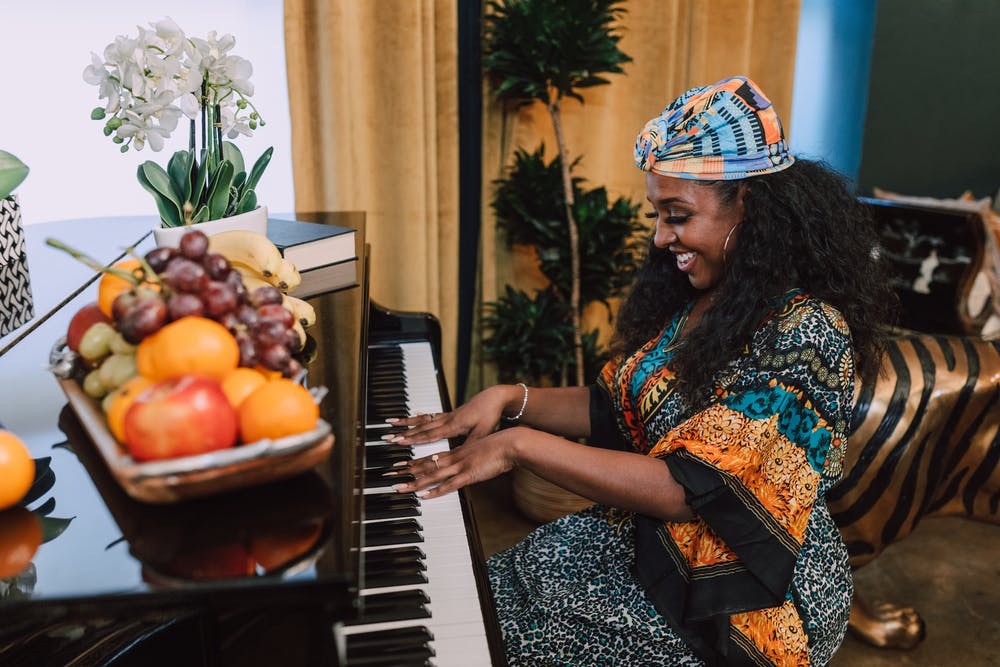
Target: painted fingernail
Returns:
[389, 474]
[388, 438]
[424, 494]
[391, 420]
[400, 487]
[396, 439]
[400, 464]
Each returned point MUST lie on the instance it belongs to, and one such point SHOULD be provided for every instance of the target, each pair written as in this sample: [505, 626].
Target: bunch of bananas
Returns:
[260, 263]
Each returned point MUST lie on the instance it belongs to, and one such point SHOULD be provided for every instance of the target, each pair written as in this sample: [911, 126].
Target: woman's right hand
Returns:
[478, 417]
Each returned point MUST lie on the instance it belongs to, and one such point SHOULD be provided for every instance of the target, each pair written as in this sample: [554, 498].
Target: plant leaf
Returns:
[170, 210]
[12, 173]
[248, 202]
[218, 196]
[53, 527]
[258, 169]
[179, 171]
[231, 152]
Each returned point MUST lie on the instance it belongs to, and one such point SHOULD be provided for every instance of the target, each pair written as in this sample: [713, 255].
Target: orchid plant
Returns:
[149, 83]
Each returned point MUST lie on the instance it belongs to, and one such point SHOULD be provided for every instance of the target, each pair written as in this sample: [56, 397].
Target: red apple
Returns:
[181, 416]
[84, 318]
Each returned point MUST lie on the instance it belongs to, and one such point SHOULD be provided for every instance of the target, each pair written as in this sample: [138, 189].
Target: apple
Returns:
[84, 318]
[181, 416]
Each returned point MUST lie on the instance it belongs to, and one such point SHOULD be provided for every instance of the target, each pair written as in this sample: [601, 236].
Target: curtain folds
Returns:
[373, 93]
[374, 107]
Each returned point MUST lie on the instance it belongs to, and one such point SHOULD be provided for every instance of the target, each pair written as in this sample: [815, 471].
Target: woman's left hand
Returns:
[475, 461]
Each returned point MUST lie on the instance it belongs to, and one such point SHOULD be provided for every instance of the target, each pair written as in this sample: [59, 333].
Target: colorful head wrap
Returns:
[725, 131]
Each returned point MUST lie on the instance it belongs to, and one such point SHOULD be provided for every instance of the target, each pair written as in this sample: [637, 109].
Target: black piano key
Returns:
[394, 606]
[389, 498]
[401, 531]
[403, 555]
[375, 481]
[395, 577]
[382, 455]
[378, 638]
[392, 656]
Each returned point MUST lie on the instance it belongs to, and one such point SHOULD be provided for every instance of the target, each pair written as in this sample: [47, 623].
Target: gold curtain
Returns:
[373, 92]
[674, 45]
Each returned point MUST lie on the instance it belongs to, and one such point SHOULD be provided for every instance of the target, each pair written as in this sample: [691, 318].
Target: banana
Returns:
[250, 248]
[287, 278]
[304, 313]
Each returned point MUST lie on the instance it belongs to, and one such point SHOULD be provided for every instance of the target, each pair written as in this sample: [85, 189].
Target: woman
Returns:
[720, 422]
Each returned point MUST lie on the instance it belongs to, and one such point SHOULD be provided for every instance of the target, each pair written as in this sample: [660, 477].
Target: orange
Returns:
[120, 402]
[17, 469]
[278, 408]
[20, 535]
[238, 383]
[111, 285]
[188, 345]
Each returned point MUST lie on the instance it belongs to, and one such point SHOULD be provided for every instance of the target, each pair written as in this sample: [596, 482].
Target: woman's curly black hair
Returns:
[803, 228]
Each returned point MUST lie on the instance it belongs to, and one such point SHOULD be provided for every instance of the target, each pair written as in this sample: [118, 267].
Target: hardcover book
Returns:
[327, 278]
[309, 245]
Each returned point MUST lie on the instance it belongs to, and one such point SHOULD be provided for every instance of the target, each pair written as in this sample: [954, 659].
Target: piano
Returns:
[394, 580]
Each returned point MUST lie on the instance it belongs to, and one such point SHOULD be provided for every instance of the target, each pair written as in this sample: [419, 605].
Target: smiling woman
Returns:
[718, 426]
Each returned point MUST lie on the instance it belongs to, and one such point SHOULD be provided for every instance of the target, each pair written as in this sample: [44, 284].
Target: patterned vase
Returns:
[16, 306]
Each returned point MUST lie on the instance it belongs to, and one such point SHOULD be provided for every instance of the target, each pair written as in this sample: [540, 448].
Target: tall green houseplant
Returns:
[547, 50]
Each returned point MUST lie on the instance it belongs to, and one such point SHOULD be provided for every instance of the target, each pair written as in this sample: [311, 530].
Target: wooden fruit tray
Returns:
[173, 480]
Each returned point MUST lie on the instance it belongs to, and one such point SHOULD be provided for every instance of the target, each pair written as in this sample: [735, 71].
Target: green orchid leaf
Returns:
[232, 153]
[170, 211]
[201, 215]
[180, 174]
[239, 180]
[12, 173]
[53, 527]
[258, 169]
[218, 196]
[248, 202]
[199, 180]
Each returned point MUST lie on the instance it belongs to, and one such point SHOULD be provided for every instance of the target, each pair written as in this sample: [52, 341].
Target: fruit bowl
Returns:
[175, 479]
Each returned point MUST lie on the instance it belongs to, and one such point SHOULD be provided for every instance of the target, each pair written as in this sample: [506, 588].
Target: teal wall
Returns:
[832, 62]
[933, 121]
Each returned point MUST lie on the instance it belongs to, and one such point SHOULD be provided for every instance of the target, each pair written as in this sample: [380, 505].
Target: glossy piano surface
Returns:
[116, 554]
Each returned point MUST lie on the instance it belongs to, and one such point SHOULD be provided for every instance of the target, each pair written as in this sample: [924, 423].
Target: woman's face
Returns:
[693, 225]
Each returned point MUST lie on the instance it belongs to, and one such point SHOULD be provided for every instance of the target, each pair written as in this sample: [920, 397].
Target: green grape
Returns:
[92, 385]
[117, 369]
[96, 341]
[119, 345]
[106, 401]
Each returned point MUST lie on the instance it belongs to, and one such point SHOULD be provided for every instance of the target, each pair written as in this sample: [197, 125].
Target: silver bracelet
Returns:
[524, 403]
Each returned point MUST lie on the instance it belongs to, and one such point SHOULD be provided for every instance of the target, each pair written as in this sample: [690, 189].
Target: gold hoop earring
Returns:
[725, 244]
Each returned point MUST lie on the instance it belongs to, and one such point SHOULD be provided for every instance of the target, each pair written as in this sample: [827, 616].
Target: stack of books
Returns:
[325, 255]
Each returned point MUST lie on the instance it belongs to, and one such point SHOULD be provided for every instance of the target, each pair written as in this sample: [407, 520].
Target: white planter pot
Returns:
[16, 305]
[255, 220]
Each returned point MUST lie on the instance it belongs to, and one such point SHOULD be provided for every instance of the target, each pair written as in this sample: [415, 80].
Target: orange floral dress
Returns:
[755, 465]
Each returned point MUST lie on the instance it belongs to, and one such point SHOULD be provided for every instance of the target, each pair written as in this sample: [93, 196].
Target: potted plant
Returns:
[545, 51]
[16, 305]
[149, 83]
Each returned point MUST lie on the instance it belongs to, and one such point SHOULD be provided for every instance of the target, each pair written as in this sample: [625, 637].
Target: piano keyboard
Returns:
[420, 601]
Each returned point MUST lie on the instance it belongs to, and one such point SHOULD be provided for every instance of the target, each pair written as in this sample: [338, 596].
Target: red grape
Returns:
[182, 304]
[231, 322]
[157, 258]
[248, 351]
[185, 275]
[264, 295]
[275, 311]
[292, 340]
[216, 265]
[247, 315]
[273, 357]
[146, 316]
[219, 298]
[194, 245]
[269, 332]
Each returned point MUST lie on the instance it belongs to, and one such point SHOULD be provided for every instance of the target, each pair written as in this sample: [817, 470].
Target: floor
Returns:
[956, 591]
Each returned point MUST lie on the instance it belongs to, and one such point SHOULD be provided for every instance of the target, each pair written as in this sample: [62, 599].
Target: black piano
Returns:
[343, 570]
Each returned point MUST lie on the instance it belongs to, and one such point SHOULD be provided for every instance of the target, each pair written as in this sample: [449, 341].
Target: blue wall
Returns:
[832, 65]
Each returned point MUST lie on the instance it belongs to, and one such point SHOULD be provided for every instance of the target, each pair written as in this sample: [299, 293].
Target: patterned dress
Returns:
[760, 576]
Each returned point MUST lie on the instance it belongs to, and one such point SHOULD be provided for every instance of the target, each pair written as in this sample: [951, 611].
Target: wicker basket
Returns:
[541, 500]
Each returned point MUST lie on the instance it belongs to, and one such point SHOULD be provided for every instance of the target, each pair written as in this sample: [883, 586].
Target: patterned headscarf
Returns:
[725, 131]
